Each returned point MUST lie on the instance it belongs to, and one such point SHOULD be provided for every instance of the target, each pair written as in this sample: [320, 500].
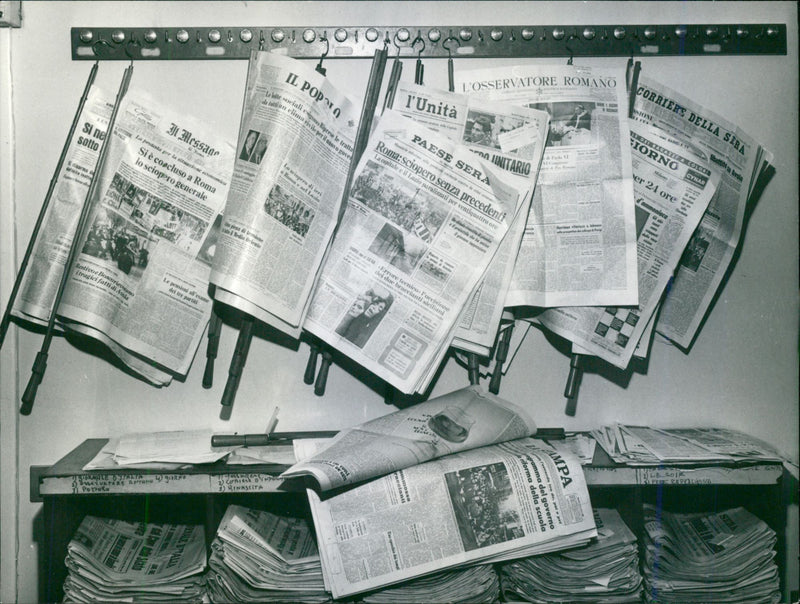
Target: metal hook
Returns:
[419, 38]
[450, 71]
[571, 52]
[132, 41]
[100, 42]
[319, 68]
[446, 40]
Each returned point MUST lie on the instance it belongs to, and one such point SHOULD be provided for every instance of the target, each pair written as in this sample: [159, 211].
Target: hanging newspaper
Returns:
[673, 187]
[489, 504]
[37, 291]
[745, 167]
[42, 277]
[579, 246]
[509, 136]
[458, 421]
[295, 144]
[139, 283]
[424, 217]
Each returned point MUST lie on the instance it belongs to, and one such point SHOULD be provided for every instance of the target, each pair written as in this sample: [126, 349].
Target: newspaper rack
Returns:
[471, 41]
[423, 42]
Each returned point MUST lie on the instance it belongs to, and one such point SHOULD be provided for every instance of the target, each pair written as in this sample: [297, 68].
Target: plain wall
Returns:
[741, 373]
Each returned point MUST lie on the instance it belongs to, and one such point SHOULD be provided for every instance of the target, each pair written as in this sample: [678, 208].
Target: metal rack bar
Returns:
[201, 43]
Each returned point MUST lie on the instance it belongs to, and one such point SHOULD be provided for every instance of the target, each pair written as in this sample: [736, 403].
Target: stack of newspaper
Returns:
[257, 556]
[474, 584]
[115, 561]
[490, 504]
[642, 445]
[606, 570]
[445, 504]
[727, 556]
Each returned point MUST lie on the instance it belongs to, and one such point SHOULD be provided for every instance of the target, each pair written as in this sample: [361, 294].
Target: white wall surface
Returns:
[741, 373]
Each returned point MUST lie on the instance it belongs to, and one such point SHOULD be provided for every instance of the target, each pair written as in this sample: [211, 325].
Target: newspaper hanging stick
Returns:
[238, 360]
[371, 98]
[501, 353]
[40, 363]
[311, 365]
[576, 360]
[473, 362]
[214, 329]
[573, 383]
[43, 212]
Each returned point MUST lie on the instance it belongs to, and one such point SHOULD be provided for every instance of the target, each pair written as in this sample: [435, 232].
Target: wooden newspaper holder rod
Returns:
[311, 365]
[573, 383]
[473, 361]
[501, 351]
[394, 78]
[214, 330]
[40, 364]
[246, 330]
[419, 69]
[362, 136]
[43, 212]
[238, 359]
[576, 360]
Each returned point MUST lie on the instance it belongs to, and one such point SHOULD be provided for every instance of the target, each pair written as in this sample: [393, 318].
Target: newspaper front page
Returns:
[493, 503]
[141, 277]
[673, 187]
[424, 217]
[42, 277]
[458, 421]
[710, 251]
[295, 144]
[579, 246]
[510, 136]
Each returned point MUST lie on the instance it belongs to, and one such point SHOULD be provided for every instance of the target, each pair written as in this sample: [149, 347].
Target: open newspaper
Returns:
[295, 143]
[673, 187]
[140, 280]
[424, 218]
[579, 247]
[489, 504]
[510, 136]
[744, 165]
[458, 421]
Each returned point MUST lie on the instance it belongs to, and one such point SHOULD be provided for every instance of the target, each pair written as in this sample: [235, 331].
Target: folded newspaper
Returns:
[111, 560]
[642, 445]
[745, 167]
[139, 283]
[458, 421]
[490, 504]
[510, 136]
[579, 247]
[257, 556]
[673, 186]
[423, 220]
[295, 144]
